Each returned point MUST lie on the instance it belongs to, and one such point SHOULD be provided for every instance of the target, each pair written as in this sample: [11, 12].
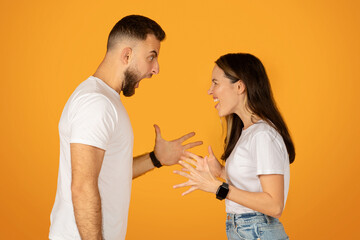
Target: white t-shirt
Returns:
[260, 150]
[94, 115]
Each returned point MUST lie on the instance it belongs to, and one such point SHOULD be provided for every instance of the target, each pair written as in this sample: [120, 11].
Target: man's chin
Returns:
[146, 76]
[129, 94]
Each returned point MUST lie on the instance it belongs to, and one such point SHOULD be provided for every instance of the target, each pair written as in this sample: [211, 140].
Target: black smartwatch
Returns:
[222, 191]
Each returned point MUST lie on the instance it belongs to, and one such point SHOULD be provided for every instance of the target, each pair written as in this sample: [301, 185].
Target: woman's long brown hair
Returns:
[260, 101]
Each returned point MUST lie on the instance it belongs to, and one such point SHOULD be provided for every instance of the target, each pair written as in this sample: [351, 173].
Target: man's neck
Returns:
[110, 74]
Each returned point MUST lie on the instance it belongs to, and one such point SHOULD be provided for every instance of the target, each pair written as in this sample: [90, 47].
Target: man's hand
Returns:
[170, 152]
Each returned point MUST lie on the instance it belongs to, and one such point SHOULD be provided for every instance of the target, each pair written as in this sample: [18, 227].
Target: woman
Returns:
[258, 151]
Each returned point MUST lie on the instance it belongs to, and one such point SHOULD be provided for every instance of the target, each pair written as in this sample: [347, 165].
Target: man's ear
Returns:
[126, 55]
[241, 88]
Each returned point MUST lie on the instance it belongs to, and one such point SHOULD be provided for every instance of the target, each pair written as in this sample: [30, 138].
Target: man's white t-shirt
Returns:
[260, 150]
[94, 115]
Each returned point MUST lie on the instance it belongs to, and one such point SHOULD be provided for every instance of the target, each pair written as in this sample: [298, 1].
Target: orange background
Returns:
[311, 52]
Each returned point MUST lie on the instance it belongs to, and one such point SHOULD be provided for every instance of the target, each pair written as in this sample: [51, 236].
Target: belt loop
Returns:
[268, 220]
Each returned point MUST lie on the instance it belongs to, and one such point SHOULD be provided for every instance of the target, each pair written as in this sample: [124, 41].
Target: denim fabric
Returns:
[252, 226]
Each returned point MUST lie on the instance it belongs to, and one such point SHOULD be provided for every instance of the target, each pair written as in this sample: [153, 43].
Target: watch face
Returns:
[222, 192]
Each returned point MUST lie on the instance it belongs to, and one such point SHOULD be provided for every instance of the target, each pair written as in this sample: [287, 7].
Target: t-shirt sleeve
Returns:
[268, 154]
[92, 121]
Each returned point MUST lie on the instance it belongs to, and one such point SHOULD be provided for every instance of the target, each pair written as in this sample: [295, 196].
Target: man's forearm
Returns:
[87, 209]
[142, 164]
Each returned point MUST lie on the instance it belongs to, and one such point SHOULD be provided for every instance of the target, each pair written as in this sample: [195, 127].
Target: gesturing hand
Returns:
[170, 152]
[199, 178]
[214, 165]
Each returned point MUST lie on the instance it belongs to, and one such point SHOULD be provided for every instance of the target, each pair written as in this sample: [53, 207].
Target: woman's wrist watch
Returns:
[222, 191]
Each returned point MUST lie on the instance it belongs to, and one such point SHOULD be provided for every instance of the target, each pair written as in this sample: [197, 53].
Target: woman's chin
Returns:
[221, 114]
[224, 114]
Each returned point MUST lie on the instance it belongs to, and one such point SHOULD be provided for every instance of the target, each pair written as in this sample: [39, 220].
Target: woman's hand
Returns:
[215, 167]
[200, 178]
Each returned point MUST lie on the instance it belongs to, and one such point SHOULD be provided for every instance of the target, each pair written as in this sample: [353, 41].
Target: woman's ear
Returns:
[126, 55]
[241, 88]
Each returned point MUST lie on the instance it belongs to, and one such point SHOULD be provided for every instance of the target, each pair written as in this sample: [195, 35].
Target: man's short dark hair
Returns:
[135, 26]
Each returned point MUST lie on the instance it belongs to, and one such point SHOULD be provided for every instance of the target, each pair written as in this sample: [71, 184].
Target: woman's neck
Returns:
[248, 118]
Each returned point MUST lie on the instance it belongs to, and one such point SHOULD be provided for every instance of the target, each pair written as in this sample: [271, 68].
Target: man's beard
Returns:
[130, 81]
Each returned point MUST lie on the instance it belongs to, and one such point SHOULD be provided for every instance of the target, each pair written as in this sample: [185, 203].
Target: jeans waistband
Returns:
[250, 217]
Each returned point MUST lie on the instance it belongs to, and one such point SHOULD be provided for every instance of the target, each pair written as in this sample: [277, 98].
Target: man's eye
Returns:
[151, 58]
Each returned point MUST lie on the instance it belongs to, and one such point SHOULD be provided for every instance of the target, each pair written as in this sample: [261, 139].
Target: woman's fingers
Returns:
[188, 166]
[184, 170]
[194, 156]
[185, 184]
[189, 160]
[193, 188]
[206, 164]
[211, 153]
[184, 174]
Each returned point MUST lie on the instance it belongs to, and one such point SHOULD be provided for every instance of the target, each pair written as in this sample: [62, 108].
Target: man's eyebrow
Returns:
[153, 51]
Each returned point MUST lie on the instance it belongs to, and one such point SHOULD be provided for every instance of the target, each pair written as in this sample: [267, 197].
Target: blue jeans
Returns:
[249, 226]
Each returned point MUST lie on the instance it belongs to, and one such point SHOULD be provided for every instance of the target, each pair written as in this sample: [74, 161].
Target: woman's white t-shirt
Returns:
[260, 150]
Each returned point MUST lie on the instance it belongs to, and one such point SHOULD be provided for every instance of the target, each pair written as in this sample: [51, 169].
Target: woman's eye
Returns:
[151, 58]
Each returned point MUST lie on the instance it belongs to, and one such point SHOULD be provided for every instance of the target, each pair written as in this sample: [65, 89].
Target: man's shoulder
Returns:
[92, 89]
[95, 96]
[89, 86]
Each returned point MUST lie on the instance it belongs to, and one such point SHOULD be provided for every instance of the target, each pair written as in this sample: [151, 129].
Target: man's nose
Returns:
[156, 68]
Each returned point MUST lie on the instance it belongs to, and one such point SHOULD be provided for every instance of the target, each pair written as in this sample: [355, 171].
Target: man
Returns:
[96, 139]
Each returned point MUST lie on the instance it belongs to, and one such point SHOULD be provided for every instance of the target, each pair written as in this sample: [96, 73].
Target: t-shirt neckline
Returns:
[246, 130]
[107, 86]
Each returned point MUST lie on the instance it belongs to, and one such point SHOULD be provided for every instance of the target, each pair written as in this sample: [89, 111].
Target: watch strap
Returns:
[154, 160]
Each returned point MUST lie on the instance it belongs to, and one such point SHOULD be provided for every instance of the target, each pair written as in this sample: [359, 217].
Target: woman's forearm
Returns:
[258, 201]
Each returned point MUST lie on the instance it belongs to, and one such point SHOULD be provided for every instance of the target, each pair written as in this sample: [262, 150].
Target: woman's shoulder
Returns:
[263, 129]
[262, 126]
